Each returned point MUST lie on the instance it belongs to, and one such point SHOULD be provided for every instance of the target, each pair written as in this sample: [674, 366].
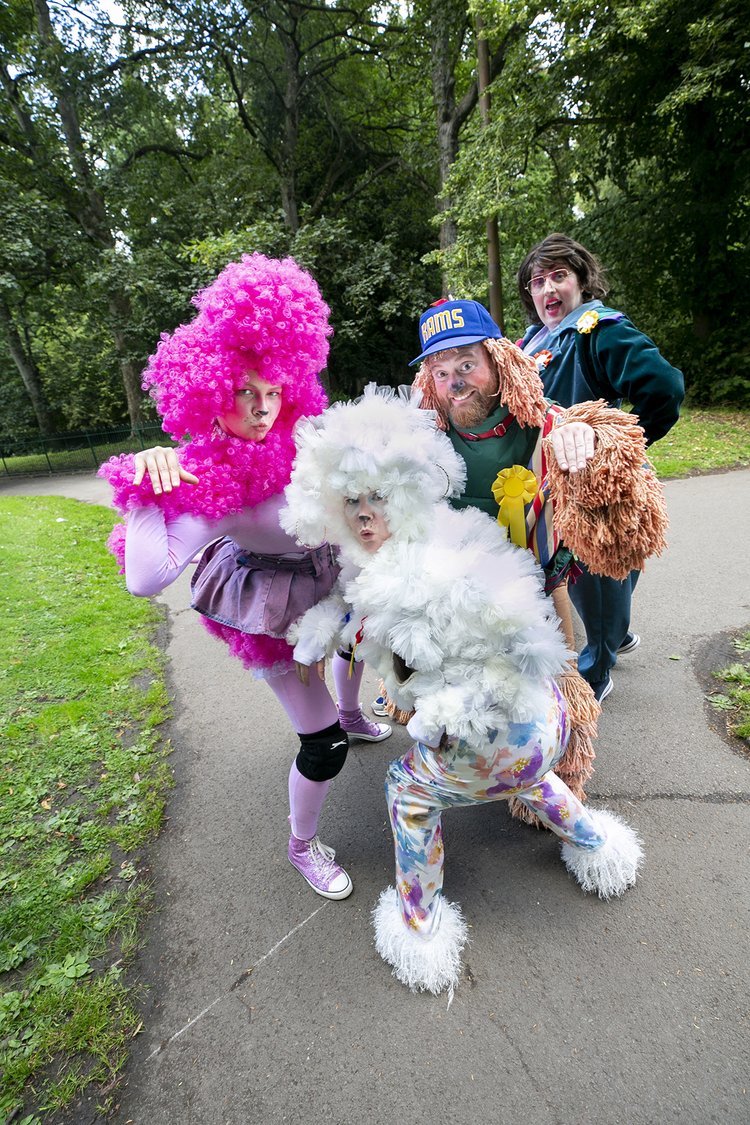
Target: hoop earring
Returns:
[448, 486]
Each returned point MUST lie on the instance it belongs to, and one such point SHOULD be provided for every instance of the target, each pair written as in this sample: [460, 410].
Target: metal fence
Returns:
[75, 453]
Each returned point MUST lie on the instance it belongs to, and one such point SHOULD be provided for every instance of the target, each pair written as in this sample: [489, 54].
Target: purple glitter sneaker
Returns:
[357, 726]
[315, 863]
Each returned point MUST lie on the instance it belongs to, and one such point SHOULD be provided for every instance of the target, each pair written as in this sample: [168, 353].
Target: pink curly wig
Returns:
[259, 314]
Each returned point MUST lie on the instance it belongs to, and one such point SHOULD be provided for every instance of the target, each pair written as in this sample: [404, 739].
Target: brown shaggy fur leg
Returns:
[577, 763]
[394, 712]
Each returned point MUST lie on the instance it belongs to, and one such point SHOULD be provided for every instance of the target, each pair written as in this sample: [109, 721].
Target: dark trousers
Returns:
[603, 604]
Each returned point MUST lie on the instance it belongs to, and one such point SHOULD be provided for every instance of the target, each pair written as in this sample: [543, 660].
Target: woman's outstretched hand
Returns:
[303, 670]
[573, 445]
[163, 467]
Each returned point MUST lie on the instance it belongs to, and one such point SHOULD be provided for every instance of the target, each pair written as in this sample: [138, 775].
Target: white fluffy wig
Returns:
[381, 443]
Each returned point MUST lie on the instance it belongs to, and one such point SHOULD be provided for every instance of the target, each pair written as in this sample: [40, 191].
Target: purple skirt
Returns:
[260, 593]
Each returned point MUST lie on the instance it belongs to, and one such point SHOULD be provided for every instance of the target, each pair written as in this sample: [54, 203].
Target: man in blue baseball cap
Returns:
[490, 398]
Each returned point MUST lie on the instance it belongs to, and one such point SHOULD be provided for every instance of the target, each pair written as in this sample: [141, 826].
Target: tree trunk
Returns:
[447, 153]
[120, 312]
[27, 369]
[447, 28]
[91, 206]
[291, 126]
[494, 271]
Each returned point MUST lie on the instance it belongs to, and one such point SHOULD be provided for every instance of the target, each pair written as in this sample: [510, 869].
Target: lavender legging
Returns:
[310, 708]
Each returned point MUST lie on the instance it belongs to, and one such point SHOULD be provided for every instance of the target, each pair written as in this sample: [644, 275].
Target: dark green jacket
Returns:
[614, 362]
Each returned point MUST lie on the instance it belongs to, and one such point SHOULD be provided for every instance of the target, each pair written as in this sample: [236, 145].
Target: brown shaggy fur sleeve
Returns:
[612, 515]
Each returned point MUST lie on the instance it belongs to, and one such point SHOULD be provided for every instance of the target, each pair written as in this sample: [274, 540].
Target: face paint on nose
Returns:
[365, 517]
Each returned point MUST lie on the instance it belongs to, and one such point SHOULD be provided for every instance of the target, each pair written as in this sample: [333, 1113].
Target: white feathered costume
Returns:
[454, 619]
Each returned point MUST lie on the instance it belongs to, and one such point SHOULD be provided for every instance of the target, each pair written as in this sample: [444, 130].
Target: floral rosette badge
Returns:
[542, 358]
[513, 489]
[587, 322]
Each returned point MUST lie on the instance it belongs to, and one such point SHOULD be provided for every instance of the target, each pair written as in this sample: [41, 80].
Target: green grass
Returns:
[83, 779]
[703, 441]
[734, 701]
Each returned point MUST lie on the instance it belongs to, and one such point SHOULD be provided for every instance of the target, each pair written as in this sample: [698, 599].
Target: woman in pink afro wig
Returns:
[230, 387]
[259, 314]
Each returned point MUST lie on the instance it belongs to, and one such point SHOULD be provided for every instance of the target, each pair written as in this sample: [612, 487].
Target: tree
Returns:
[27, 264]
[448, 29]
[663, 87]
[510, 167]
[62, 115]
[608, 124]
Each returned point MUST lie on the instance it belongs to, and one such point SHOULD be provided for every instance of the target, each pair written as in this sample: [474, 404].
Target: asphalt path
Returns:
[264, 1003]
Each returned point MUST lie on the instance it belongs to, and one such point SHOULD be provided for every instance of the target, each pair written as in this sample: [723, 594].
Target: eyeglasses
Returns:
[536, 285]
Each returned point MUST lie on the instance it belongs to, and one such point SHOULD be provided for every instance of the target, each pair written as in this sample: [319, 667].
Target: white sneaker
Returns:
[603, 689]
[379, 706]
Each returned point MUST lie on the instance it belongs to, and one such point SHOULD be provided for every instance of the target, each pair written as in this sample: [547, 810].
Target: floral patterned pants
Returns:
[517, 761]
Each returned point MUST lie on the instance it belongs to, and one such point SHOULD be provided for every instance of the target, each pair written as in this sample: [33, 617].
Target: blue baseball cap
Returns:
[453, 324]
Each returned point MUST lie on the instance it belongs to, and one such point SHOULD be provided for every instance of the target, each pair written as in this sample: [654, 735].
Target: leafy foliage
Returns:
[350, 137]
[734, 701]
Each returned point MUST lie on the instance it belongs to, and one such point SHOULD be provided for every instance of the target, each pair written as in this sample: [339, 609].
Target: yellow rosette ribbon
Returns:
[587, 322]
[513, 489]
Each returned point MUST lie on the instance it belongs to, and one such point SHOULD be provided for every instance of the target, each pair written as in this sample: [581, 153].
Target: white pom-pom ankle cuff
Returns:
[613, 867]
[423, 964]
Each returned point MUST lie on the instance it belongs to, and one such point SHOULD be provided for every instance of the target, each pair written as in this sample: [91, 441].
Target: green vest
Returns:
[485, 458]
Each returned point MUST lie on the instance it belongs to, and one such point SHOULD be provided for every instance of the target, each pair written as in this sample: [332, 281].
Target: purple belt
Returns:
[312, 562]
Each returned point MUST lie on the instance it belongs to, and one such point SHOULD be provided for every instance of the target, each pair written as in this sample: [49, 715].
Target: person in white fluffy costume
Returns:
[454, 619]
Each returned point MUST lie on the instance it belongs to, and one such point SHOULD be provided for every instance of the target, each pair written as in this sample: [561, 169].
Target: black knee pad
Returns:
[322, 755]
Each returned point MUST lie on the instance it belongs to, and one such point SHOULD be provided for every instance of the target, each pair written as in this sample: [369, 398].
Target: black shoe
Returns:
[602, 688]
[632, 640]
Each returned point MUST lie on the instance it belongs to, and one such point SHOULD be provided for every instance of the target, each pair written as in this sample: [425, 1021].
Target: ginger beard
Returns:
[466, 384]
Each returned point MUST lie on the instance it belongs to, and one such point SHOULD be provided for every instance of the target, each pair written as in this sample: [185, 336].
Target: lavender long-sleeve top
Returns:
[158, 550]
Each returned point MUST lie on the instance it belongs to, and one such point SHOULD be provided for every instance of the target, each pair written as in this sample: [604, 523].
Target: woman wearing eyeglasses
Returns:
[586, 350]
